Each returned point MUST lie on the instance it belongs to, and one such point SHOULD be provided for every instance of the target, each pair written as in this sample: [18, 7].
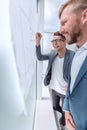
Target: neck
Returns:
[82, 39]
[61, 53]
[80, 43]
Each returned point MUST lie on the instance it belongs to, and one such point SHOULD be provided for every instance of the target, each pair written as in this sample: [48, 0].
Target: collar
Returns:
[82, 48]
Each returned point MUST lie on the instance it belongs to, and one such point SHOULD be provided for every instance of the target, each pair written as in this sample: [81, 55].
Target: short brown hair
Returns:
[59, 34]
[78, 5]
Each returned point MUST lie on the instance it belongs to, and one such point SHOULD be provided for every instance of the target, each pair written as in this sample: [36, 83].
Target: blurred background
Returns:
[21, 74]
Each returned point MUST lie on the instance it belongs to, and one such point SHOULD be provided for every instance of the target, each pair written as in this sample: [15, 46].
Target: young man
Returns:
[57, 71]
[73, 20]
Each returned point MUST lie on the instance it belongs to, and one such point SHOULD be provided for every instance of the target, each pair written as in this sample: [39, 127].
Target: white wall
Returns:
[23, 19]
[11, 99]
[17, 72]
[26, 19]
[23, 15]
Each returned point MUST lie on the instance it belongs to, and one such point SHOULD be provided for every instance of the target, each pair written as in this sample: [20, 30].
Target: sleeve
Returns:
[66, 106]
[66, 103]
[41, 56]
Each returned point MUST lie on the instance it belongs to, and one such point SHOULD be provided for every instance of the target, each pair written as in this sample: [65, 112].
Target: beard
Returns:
[75, 32]
[74, 36]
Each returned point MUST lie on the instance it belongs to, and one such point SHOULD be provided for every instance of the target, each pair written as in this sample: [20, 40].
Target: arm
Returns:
[66, 101]
[38, 48]
[67, 64]
[68, 117]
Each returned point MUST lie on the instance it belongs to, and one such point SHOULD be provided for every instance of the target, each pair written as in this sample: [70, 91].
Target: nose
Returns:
[61, 30]
[54, 45]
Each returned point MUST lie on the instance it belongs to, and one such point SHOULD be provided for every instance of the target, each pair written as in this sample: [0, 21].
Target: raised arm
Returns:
[38, 38]
[39, 55]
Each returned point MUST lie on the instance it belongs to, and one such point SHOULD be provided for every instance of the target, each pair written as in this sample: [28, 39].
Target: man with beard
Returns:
[73, 25]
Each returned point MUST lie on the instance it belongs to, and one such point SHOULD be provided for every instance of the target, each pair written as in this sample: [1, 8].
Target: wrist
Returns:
[37, 44]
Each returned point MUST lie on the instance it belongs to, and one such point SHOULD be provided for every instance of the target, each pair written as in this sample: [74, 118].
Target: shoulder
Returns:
[53, 52]
[70, 52]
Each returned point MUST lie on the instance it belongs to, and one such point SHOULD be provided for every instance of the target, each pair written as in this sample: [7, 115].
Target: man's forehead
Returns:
[67, 10]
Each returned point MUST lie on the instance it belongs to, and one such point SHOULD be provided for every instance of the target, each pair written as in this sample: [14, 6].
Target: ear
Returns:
[84, 16]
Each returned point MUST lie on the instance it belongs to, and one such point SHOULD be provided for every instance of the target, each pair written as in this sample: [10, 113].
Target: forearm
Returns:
[39, 55]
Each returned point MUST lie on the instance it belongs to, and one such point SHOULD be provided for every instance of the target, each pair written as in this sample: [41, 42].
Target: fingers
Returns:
[64, 88]
[38, 38]
[70, 127]
[69, 121]
[72, 123]
[38, 35]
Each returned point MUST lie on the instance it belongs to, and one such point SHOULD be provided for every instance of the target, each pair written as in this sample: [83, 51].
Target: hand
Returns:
[64, 88]
[69, 121]
[38, 38]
